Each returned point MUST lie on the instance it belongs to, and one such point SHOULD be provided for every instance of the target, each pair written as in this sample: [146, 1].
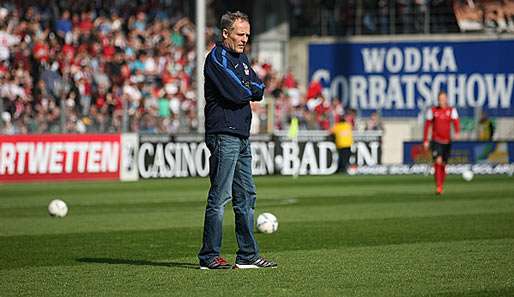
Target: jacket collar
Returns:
[233, 54]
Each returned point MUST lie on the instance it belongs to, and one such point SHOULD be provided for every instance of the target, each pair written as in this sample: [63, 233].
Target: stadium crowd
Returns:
[485, 15]
[83, 64]
[118, 66]
[78, 69]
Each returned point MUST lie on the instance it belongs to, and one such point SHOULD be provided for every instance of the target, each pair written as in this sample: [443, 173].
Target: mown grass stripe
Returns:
[20, 251]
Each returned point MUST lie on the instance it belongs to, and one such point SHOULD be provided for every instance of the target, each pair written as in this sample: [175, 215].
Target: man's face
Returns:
[443, 100]
[236, 38]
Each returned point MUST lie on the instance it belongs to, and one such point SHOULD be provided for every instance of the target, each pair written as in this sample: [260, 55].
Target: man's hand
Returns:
[256, 91]
[426, 145]
[456, 136]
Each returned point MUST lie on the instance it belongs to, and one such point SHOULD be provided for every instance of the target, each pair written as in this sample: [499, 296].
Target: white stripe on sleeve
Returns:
[429, 115]
[454, 114]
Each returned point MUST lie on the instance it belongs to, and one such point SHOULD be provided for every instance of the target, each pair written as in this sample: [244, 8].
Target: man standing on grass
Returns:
[343, 136]
[440, 118]
[230, 86]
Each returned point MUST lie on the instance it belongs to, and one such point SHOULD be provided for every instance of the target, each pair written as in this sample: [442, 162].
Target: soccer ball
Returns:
[57, 208]
[467, 175]
[267, 223]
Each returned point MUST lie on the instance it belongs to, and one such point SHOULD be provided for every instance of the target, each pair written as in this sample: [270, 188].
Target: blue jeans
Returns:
[231, 178]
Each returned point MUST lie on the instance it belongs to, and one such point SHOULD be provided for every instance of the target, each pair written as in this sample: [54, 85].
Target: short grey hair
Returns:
[229, 18]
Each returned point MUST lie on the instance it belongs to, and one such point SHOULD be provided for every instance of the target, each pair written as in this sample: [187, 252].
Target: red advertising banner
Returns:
[59, 157]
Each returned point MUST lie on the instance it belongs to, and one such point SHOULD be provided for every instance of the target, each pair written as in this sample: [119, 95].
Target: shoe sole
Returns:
[221, 268]
[241, 266]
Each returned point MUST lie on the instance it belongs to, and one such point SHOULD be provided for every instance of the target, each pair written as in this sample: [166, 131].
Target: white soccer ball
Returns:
[267, 223]
[57, 208]
[467, 175]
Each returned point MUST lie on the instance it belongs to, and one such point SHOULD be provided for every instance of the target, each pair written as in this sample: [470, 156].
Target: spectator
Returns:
[322, 111]
[374, 122]
[485, 128]
[7, 40]
[63, 25]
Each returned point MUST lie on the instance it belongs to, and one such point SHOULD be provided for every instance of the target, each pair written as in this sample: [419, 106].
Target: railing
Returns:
[363, 17]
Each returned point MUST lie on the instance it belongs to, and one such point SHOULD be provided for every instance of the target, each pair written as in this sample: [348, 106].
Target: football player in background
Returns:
[441, 118]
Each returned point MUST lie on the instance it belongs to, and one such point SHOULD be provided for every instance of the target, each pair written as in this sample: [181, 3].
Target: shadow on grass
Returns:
[138, 262]
[490, 292]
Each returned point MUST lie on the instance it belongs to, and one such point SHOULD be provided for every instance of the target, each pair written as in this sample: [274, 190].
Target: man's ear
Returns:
[224, 33]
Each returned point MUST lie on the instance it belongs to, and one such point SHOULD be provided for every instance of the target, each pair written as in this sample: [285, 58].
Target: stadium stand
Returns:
[71, 68]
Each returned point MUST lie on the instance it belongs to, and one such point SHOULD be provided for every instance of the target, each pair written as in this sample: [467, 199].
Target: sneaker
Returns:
[217, 263]
[258, 262]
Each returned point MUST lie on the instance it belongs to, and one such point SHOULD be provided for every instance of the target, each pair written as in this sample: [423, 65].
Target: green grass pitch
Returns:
[338, 236]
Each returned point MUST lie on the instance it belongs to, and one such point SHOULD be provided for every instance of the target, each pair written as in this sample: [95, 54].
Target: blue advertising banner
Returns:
[463, 152]
[403, 78]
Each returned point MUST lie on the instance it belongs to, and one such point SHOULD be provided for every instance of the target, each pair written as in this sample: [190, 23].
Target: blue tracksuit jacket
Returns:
[230, 85]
